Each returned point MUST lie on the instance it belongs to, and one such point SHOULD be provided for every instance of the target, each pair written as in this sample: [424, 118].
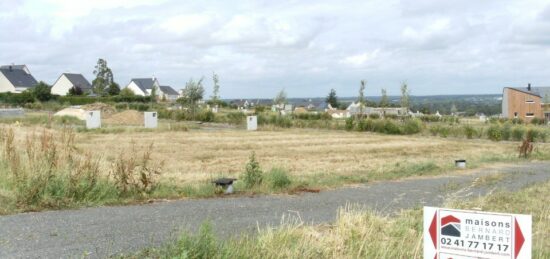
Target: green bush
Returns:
[253, 174]
[412, 126]
[236, 117]
[349, 123]
[278, 178]
[517, 133]
[494, 133]
[374, 116]
[469, 131]
[537, 121]
[206, 116]
[506, 131]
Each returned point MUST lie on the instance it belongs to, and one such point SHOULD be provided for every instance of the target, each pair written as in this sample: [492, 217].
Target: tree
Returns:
[280, 98]
[113, 89]
[384, 102]
[192, 94]
[361, 98]
[75, 91]
[332, 99]
[405, 103]
[216, 92]
[127, 92]
[153, 94]
[42, 92]
[104, 77]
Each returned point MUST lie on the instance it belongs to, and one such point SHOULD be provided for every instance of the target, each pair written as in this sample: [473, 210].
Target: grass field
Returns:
[191, 156]
[199, 155]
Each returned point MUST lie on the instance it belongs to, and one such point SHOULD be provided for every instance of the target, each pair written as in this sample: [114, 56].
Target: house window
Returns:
[529, 114]
[530, 101]
[516, 115]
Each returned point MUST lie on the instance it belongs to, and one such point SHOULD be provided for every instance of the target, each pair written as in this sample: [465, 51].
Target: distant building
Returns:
[356, 109]
[525, 103]
[168, 93]
[16, 79]
[67, 81]
[144, 86]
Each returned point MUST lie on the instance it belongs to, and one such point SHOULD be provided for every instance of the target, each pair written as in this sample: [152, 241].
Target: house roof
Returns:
[536, 91]
[78, 80]
[18, 77]
[144, 84]
[168, 90]
[22, 67]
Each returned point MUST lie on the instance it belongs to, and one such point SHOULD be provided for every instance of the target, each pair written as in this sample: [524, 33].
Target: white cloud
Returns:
[183, 24]
[361, 59]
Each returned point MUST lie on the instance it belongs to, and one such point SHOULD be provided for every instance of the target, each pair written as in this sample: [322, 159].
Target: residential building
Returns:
[67, 81]
[525, 103]
[168, 93]
[143, 86]
[16, 79]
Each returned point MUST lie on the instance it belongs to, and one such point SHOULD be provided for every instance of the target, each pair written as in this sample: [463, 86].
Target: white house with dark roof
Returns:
[168, 93]
[143, 86]
[67, 81]
[16, 79]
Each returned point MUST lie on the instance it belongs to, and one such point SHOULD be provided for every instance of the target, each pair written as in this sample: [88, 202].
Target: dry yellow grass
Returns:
[198, 155]
[202, 154]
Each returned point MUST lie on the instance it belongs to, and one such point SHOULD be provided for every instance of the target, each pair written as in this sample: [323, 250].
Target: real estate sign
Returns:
[461, 234]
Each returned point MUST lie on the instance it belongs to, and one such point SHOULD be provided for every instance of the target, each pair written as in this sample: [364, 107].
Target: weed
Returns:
[278, 178]
[253, 174]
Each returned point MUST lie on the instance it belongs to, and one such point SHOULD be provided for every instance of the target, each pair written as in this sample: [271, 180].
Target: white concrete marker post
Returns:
[93, 119]
[252, 123]
[461, 234]
[151, 119]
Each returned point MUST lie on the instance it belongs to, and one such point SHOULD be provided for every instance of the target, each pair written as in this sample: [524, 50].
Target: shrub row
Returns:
[495, 132]
[435, 118]
[386, 126]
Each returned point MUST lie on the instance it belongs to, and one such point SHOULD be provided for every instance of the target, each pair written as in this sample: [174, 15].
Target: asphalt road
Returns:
[107, 231]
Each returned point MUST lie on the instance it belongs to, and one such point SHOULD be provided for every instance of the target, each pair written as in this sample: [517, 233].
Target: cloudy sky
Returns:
[305, 47]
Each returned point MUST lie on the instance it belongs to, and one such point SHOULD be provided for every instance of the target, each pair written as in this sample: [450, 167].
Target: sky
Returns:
[304, 47]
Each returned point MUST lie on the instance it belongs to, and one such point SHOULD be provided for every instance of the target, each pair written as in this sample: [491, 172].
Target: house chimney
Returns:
[11, 68]
[529, 87]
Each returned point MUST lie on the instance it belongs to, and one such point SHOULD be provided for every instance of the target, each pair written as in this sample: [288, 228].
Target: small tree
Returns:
[361, 98]
[280, 98]
[42, 92]
[113, 89]
[216, 92]
[104, 77]
[384, 102]
[192, 94]
[75, 91]
[332, 99]
[405, 101]
[253, 174]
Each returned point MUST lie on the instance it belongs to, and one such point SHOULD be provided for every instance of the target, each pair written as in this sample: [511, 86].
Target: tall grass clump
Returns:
[278, 178]
[47, 172]
[253, 174]
[134, 172]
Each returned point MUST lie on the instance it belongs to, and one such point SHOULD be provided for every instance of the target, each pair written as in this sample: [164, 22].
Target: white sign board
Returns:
[460, 234]
[151, 119]
[93, 119]
[251, 122]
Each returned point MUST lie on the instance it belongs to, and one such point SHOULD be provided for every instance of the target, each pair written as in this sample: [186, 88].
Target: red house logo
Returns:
[450, 226]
